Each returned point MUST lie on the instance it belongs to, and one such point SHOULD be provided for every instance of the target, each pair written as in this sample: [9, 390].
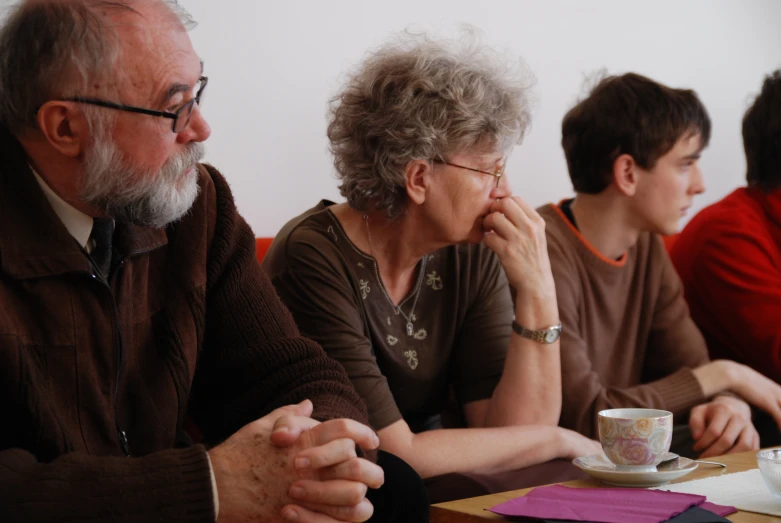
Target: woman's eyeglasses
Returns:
[497, 174]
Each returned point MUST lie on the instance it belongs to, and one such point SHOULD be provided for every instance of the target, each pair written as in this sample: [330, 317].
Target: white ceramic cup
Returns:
[635, 439]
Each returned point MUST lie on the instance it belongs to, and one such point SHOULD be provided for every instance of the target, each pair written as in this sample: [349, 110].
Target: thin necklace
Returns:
[418, 286]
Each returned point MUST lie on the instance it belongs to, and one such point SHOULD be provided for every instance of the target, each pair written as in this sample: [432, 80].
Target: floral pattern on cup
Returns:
[660, 439]
[607, 429]
[635, 437]
[635, 451]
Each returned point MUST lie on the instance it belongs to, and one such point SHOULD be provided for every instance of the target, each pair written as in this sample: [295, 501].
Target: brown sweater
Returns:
[461, 323]
[186, 325]
[627, 338]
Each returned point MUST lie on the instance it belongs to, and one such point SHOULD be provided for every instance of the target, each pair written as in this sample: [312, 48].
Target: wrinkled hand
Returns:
[575, 445]
[722, 426]
[258, 468]
[516, 233]
[333, 479]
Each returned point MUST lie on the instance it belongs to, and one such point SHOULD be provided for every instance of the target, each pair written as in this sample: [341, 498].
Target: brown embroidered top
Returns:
[460, 323]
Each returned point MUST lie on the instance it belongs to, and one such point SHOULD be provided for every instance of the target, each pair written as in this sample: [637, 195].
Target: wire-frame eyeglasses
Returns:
[497, 174]
[181, 118]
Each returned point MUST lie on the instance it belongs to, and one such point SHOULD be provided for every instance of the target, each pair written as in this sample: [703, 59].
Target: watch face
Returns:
[552, 335]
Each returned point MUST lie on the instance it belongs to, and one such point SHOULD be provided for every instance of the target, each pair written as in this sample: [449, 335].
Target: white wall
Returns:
[274, 65]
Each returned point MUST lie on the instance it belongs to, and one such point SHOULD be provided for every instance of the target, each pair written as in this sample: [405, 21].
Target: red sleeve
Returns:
[734, 291]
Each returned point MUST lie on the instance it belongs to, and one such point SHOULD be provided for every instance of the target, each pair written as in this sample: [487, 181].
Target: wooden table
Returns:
[473, 510]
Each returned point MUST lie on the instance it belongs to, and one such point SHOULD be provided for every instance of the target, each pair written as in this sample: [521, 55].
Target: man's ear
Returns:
[625, 175]
[64, 126]
[418, 174]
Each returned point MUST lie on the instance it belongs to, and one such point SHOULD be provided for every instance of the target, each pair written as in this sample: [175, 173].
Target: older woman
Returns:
[408, 283]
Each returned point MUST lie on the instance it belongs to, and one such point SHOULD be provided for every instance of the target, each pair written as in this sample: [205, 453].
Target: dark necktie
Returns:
[102, 231]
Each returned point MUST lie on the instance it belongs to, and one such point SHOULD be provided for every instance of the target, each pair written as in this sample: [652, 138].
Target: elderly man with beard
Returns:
[130, 298]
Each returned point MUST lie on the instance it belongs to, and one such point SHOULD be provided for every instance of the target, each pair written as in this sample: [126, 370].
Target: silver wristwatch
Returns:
[547, 335]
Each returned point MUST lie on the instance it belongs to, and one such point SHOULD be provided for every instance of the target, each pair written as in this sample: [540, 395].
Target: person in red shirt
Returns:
[729, 255]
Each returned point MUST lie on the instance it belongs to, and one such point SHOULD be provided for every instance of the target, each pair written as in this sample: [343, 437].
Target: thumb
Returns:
[288, 428]
[304, 408]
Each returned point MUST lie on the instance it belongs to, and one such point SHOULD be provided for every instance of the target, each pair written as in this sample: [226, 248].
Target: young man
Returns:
[130, 298]
[632, 148]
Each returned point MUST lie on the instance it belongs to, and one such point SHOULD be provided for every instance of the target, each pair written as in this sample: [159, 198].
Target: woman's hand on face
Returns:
[516, 233]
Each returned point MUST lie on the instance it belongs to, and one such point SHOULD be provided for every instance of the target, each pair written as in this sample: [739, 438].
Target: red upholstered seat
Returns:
[261, 246]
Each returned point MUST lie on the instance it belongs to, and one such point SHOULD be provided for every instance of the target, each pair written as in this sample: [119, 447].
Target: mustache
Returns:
[188, 158]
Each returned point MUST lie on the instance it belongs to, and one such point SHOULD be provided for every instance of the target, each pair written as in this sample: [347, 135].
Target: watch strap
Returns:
[535, 335]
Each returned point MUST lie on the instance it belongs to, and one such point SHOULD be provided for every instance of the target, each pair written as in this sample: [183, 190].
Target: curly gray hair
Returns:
[51, 48]
[417, 98]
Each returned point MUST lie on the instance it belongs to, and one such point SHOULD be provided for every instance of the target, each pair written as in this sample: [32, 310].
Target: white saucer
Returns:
[601, 468]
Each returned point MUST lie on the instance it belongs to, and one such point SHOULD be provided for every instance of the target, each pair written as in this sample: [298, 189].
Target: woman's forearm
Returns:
[529, 392]
[483, 450]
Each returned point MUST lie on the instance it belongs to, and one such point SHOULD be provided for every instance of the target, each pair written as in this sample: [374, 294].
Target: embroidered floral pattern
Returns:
[412, 358]
[434, 281]
[421, 335]
[361, 265]
[333, 233]
[392, 340]
[365, 289]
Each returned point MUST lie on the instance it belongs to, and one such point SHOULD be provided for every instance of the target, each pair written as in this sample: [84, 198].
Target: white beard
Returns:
[139, 196]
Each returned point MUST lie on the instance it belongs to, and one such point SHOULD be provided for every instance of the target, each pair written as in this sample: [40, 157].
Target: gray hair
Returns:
[417, 98]
[56, 48]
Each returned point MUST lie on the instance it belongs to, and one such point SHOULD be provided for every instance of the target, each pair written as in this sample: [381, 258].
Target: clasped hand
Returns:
[287, 466]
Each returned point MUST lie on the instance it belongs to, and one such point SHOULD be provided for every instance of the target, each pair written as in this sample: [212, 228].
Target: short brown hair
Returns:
[762, 136]
[627, 114]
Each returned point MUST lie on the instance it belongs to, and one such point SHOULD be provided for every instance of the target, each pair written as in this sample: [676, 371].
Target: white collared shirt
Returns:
[77, 223]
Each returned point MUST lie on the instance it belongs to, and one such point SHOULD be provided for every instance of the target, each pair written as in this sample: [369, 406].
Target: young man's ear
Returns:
[64, 126]
[625, 174]
[418, 174]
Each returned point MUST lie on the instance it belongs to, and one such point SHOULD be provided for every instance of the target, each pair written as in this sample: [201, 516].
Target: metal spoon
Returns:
[671, 457]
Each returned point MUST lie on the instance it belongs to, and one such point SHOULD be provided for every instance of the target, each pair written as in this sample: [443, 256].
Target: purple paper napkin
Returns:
[614, 505]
